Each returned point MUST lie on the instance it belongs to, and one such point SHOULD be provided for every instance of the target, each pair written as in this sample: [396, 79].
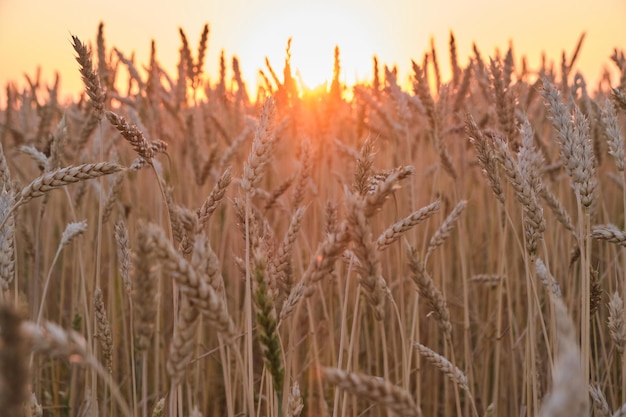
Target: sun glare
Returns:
[315, 30]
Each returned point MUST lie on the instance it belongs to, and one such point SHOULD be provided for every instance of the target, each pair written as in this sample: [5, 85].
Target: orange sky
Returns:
[37, 32]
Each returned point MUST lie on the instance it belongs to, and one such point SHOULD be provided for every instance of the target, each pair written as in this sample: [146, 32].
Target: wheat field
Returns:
[177, 245]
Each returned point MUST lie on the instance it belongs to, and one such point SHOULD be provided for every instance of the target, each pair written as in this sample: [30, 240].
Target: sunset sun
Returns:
[315, 30]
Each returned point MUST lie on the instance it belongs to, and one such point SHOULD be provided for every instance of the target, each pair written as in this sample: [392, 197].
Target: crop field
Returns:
[174, 244]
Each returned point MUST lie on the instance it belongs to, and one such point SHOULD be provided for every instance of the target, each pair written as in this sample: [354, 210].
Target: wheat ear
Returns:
[610, 233]
[616, 324]
[430, 292]
[217, 194]
[145, 290]
[198, 67]
[5, 173]
[395, 231]
[569, 395]
[599, 401]
[104, 330]
[620, 412]
[267, 325]
[182, 345]
[559, 211]
[532, 212]
[370, 270]
[304, 175]
[35, 408]
[382, 190]
[51, 339]
[90, 78]
[546, 278]
[113, 197]
[72, 230]
[486, 156]
[264, 138]
[281, 267]
[575, 143]
[294, 401]
[202, 295]
[619, 97]
[132, 134]
[364, 163]
[452, 372]
[64, 176]
[123, 253]
[614, 133]
[374, 389]
[7, 241]
[321, 265]
[446, 228]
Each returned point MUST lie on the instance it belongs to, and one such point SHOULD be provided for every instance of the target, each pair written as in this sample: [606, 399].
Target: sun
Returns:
[315, 30]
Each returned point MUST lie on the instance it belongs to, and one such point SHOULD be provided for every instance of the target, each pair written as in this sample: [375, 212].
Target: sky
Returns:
[37, 33]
